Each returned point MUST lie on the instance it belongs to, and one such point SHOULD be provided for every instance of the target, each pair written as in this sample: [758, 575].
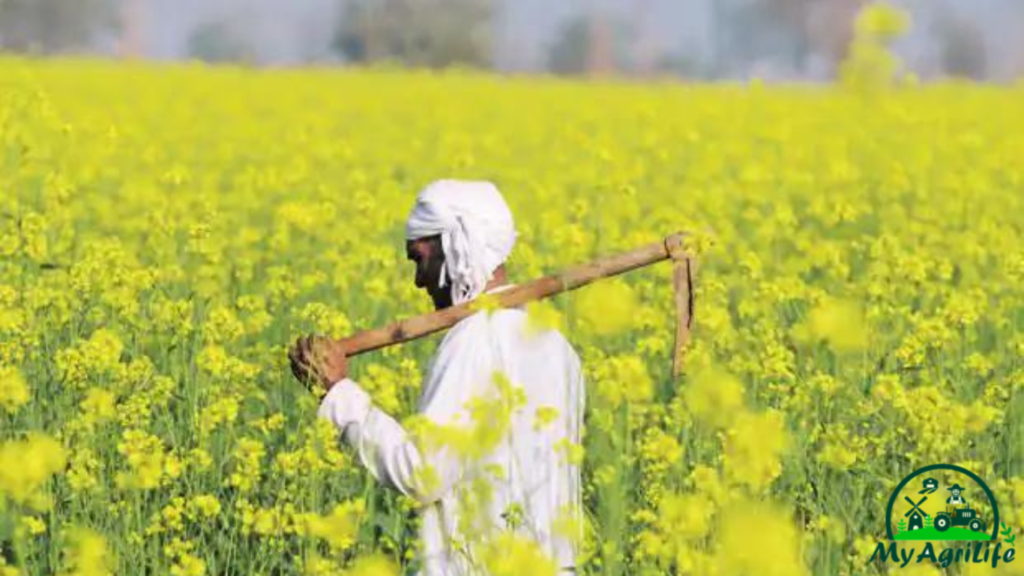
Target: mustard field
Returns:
[167, 231]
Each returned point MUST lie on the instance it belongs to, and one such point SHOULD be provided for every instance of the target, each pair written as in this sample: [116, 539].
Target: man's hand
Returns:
[316, 362]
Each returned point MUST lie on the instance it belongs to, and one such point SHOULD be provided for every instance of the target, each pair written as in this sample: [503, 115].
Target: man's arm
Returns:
[384, 446]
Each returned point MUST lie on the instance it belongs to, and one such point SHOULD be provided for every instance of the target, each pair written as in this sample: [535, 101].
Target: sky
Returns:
[298, 31]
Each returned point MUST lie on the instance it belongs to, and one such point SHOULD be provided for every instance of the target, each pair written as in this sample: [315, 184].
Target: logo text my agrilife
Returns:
[944, 503]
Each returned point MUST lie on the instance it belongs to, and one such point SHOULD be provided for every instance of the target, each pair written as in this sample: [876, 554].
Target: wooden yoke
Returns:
[671, 247]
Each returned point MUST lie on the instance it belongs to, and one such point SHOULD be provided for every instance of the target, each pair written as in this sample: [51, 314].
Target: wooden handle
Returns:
[682, 289]
[423, 325]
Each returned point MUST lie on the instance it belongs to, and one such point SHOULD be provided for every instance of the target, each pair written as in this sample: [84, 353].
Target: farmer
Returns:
[956, 499]
[459, 235]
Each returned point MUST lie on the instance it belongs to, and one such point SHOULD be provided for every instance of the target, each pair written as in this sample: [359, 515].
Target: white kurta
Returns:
[537, 478]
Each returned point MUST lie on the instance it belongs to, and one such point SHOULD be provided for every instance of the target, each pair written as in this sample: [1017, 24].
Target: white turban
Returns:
[476, 228]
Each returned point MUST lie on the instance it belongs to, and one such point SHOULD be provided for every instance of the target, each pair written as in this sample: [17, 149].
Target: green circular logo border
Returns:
[955, 468]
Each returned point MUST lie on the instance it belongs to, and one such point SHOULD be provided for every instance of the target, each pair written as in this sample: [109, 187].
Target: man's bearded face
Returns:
[428, 256]
[955, 493]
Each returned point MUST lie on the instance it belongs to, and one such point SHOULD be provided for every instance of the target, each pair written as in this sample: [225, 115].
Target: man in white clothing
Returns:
[501, 404]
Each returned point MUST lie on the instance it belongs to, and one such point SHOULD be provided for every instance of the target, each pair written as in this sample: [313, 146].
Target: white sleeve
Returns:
[384, 447]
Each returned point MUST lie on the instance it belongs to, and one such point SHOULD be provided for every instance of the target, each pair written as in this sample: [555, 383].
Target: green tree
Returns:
[216, 42]
[592, 43]
[963, 48]
[928, 521]
[428, 33]
[48, 26]
[901, 526]
[570, 54]
[790, 31]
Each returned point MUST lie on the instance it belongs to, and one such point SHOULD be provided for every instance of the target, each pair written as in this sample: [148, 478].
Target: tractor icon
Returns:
[954, 516]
